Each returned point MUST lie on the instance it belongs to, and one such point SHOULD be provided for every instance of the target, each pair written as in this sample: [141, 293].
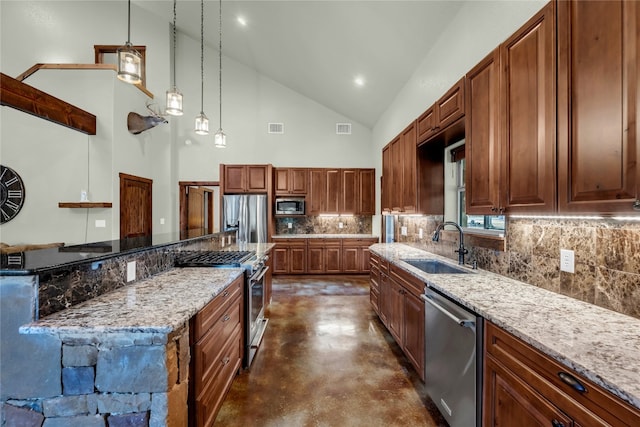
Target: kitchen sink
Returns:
[433, 266]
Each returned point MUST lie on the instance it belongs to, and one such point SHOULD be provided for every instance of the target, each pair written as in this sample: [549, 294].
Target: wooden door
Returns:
[315, 259]
[367, 191]
[396, 311]
[333, 259]
[349, 193]
[235, 179]
[257, 178]
[298, 259]
[482, 144]
[281, 259]
[528, 179]
[135, 206]
[598, 61]
[413, 331]
[350, 258]
[334, 191]
[386, 179]
[298, 181]
[409, 147]
[281, 180]
[196, 208]
[317, 191]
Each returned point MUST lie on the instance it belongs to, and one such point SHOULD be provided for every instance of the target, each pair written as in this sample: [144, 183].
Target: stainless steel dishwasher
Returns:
[453, 349]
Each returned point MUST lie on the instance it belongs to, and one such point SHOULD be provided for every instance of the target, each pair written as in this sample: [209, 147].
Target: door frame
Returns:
[183, 188]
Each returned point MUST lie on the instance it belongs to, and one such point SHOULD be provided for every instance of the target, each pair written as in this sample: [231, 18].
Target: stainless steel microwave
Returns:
[290, 206]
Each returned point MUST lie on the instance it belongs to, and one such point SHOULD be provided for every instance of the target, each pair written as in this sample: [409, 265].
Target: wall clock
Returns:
[11, 194]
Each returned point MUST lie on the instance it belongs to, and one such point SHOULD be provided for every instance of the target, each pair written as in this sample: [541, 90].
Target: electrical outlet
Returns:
[289, 225]
[161, 221]
[420, 233]
[340, 225]
[131, 271]
[403, 231]
[567, 261]
[101, 223]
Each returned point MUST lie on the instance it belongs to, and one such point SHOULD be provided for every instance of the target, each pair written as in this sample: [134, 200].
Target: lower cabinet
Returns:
[216, 353]
[290, 256]
[524, 387]
[395, 297]
[324, 256]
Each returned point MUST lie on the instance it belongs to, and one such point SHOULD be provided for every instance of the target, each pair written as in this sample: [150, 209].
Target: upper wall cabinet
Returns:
[510, 133]
[290, 181]
[448, 109]
[239, 179]
[598, 127]
[399, 173]
[341, 191]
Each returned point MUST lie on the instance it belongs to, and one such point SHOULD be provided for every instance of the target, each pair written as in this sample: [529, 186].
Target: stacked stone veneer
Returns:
[607, 256]
[131, 380]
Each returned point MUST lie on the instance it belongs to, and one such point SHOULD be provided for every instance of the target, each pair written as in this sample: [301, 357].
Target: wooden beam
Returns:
[18, 95]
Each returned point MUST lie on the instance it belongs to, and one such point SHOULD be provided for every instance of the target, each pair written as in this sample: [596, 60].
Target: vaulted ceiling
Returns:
[318, 48]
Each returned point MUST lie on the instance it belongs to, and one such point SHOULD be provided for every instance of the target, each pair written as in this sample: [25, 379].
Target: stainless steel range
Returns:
[254, 271]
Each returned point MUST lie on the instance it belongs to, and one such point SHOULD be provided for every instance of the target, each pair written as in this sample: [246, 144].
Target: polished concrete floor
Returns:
[327, 360]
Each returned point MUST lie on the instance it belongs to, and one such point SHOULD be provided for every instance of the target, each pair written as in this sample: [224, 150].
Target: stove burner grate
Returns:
[212, 258]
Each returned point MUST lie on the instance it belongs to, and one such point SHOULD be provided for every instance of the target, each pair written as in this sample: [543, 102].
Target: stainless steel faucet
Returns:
[461, 249]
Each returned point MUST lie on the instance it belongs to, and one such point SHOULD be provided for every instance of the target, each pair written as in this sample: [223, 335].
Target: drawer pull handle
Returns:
[225, 294]
[556, 423]
[572, 381]
[226, 318]
[225, 361]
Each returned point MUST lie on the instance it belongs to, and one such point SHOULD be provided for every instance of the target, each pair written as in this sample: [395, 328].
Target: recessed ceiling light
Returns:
[359, 81]
[242, 21]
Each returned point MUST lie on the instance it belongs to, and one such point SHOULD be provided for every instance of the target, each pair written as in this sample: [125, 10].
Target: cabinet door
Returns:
[409, 148]
[364, 259]
[333, 259]
[426, 125]
[413, 333]
[397, 178]
[482, 146]
[598, 63]
[281, 181]
[315, 259]
[281, 259]
[395, 305]
[317, 191]
[450, 107]
[268, 282]
[384, 299]
[349, 194]
[385, 197]
[234, 179]
[298, 181]
[351, 259]
[528, 179]
[298, 260]
[334, 191]
[367, 192]
[508, 401]
[257, 178]
[374, 288]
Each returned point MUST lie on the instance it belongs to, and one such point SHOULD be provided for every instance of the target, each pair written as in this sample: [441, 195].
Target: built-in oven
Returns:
[255, 269]
[289, 205]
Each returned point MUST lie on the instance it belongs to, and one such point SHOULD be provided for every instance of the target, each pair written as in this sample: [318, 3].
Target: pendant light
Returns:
[219, 138]
[202, 122]
[174, 97]
[129, 59]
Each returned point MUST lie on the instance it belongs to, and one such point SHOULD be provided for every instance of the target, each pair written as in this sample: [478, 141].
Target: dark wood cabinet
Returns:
[268, 279]
[447, 110]
[324, 256]
[216, 353]
[374, 280]
[598, 63]
[387, 179]
[341, 191]
[523, 386]
[366, 192]
[355, 255]
[316, 200]
[510, 136]
[409, 190]
[290, 256]
[399, 173]
[290, 181]
[245, 178]
[333, 192]
[350, 191]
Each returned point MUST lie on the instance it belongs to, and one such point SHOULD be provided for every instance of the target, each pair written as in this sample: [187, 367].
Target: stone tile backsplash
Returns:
[357, 224]
[606, 252]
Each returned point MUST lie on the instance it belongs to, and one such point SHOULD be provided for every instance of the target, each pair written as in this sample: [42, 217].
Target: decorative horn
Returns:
[138, 124]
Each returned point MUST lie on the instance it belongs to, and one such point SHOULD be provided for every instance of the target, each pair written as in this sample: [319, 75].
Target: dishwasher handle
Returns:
[466, 323]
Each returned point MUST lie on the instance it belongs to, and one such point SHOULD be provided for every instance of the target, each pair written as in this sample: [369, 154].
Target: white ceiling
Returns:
[317, 48]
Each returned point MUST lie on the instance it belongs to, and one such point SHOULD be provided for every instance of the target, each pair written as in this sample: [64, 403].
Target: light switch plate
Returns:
[101, 223]
[420, 233]
[131, 271]
[403, 231]
[567, 261]
[289, 225]
[161, 221]
[340, 225]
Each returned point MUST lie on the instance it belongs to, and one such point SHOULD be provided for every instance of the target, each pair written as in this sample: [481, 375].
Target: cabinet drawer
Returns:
[414, 285]
[374, 259]
[543, 374]
[209, 400]
[359, 242]
[374, 297]
[211, 313]
[325, 242]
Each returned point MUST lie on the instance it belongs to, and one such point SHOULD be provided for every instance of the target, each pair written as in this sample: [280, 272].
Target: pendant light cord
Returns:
[174, 44]
[129, 24]
[220, 62]
[201, 56]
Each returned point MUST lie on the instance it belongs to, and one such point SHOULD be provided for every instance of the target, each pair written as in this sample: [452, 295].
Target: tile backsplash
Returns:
[356, 224]
[606, 252]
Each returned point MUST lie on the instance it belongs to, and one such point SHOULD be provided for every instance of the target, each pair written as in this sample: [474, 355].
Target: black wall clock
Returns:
[11, 194]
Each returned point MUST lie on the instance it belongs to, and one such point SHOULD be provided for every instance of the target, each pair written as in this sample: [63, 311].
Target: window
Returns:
[491, 224]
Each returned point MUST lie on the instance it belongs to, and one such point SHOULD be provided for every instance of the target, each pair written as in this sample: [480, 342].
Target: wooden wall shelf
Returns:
[84, 204]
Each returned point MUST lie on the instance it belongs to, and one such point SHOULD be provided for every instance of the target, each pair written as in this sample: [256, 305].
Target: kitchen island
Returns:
[599, 344]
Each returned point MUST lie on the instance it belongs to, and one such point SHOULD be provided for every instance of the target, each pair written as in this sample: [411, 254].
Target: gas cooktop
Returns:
[213, 258]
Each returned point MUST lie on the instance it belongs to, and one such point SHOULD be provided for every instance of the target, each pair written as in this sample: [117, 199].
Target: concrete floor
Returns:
[327, 360]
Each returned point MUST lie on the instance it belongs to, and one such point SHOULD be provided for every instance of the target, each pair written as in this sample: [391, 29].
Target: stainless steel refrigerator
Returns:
[247, 214]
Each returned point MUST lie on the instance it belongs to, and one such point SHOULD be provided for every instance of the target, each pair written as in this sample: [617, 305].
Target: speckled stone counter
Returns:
[324, 236]
[600, 344]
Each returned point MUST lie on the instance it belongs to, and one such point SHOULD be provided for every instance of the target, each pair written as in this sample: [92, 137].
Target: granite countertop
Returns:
[158, 305]
[324, 236]
[600, 344]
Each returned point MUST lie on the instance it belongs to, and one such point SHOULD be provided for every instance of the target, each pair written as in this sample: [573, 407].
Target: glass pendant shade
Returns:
[220, 139]
[174, 102]
[202, 124]
[129, 64]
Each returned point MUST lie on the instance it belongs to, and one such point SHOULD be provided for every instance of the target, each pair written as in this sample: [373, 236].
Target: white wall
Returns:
[478, 28]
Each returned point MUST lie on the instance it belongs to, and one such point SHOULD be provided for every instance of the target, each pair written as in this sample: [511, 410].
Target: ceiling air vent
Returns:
[276, 128]
[343, 128]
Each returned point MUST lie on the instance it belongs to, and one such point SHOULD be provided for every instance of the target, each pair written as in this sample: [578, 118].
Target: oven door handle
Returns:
[259, 275]
[468, 323]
